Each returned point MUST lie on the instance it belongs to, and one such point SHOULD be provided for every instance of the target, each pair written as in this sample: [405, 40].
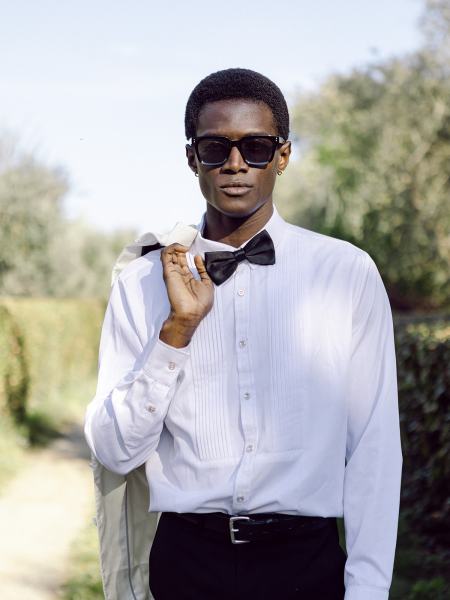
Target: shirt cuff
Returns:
[165, 362]
[365, 592]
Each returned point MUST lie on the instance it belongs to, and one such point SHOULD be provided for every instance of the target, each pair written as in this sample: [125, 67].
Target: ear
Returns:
[283, 156]
[191, 158]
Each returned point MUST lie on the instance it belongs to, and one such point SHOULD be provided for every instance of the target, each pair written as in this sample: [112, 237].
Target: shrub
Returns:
[47, 347]
[423, 360]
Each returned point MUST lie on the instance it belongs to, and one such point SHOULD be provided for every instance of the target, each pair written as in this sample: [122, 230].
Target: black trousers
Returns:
[188, 563]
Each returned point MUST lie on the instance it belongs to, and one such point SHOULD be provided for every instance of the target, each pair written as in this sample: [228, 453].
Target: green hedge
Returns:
[48, 347]
[423, 361]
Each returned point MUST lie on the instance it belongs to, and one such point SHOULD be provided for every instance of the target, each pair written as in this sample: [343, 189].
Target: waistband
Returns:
[253, 527]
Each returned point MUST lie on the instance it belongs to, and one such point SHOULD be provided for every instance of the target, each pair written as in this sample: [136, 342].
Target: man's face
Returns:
[235, 119]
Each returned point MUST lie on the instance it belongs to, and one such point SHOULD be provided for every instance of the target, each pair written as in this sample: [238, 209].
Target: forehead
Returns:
[235, 118]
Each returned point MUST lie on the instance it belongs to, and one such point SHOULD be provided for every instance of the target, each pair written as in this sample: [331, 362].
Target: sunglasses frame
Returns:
[275, 139]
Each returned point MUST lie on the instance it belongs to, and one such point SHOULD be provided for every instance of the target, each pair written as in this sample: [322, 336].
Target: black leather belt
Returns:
[241, 529]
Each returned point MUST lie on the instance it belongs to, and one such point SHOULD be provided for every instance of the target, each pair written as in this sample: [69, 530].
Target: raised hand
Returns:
[190, 299]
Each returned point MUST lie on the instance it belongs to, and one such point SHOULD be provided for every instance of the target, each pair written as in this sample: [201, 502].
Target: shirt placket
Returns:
[247, 399]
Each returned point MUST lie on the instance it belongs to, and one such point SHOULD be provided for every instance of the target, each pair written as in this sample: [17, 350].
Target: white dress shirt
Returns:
[285, 399]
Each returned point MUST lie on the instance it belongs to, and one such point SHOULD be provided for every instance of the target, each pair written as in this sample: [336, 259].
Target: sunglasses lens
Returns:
[257, 150]
[212, 152]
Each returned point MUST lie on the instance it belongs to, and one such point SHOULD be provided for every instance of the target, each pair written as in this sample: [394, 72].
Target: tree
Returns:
[374, 168]
[42, 253]
[30, 218]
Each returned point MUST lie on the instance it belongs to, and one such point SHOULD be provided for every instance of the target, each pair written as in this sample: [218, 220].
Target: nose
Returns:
[235, 163]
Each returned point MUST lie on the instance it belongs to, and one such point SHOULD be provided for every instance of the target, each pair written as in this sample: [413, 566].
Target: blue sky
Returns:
[100, 86]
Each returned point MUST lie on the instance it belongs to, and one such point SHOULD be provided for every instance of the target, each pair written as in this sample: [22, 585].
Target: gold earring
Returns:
[279, 172]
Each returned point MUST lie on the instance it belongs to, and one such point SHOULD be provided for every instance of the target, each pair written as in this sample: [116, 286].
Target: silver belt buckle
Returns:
[233, 530]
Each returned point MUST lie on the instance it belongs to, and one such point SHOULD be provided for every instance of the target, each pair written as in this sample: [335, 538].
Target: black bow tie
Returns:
[259, 250]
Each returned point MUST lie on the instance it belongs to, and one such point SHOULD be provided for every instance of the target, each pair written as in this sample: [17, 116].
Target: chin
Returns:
[235, 207]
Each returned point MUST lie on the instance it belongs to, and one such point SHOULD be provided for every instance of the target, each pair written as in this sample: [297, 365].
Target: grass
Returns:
[84, 580]
[12, 451]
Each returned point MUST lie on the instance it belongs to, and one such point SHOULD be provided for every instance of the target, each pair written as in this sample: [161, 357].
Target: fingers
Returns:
[174, 253]
[174, 249]
[201, 268]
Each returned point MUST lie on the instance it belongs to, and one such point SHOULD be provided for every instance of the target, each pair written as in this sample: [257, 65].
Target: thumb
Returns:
[200, 265]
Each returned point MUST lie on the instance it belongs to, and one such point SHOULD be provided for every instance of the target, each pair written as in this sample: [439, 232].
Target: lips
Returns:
[236, 188]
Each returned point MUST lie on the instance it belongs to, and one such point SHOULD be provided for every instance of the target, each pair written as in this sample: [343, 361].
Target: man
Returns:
[254, 374]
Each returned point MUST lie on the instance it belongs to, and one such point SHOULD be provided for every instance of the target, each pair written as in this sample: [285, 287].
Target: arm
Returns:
[373, 453]
[134, 389]
[136, 384]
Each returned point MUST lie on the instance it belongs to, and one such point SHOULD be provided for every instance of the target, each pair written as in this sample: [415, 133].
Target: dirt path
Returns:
[41, 512]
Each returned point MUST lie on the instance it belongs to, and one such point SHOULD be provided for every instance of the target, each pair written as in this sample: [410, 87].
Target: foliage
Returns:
[374, 167]
[436, 25]
[435, 589]
[418, 573]
[42, 253]
[423, 359]
[47, 348]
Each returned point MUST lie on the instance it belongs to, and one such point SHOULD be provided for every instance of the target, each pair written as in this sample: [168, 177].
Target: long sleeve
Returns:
[373, 451]
[136, 382]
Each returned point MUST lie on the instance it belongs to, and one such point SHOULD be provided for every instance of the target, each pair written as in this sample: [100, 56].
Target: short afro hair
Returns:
[231, 84]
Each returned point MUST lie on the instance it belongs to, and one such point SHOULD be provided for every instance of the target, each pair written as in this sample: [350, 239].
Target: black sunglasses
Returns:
[256, 150]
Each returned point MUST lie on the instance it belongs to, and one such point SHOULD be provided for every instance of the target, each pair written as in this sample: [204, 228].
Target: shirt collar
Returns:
[275, 226]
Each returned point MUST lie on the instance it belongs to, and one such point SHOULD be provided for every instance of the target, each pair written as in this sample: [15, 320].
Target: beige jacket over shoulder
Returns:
[125, 527]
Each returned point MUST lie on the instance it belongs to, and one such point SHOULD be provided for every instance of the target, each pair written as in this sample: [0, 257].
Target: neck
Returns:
[235, 231]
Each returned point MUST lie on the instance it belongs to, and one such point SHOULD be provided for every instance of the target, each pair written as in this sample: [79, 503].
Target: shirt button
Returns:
[242, 343]
[151, 408]
[249, 448]
[246, 395]
[241, 292]
[240, 499]
[172, 366]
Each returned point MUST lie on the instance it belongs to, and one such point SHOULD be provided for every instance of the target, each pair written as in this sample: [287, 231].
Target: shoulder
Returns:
[140, 285]
[141, 281]
[331, 261]
[338, 265]
[321, 245]
[145, 266]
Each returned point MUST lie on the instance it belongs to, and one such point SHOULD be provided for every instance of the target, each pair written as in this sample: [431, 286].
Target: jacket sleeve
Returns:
[135, 385]
[373, 452]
